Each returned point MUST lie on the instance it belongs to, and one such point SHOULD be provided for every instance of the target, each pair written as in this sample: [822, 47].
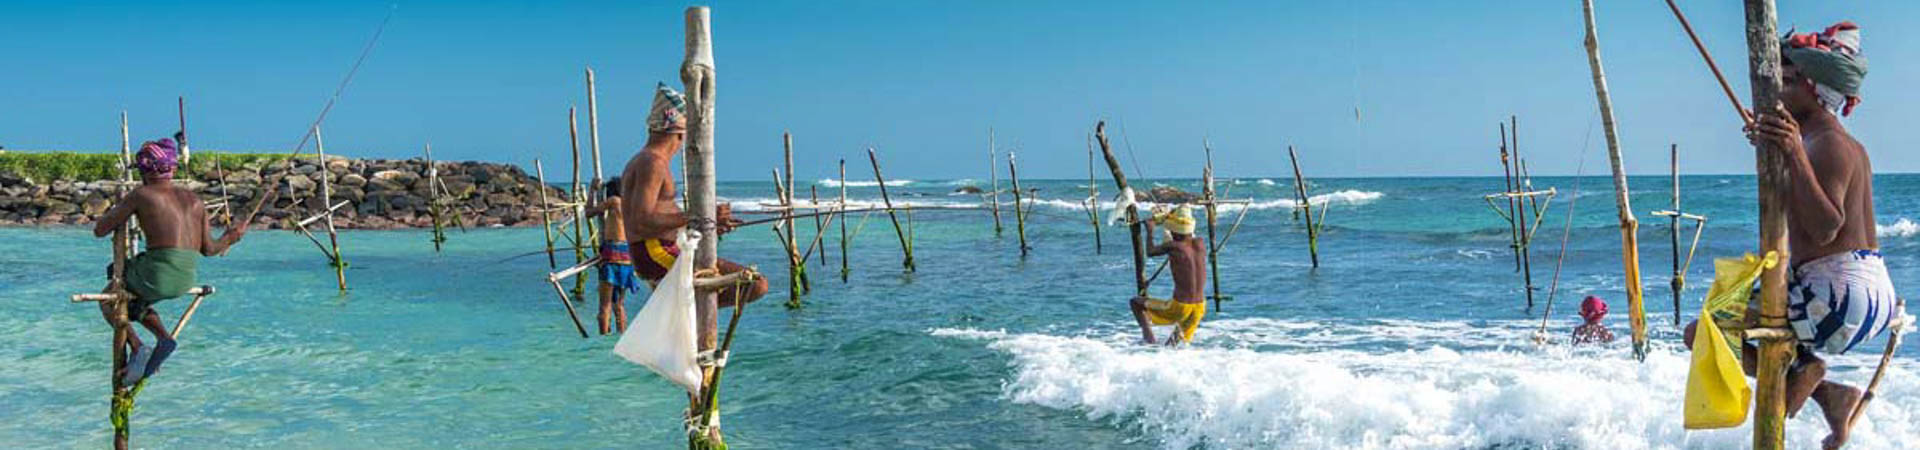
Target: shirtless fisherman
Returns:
[616, 259]
[652, 209]
[178, 234]
[1187, 258]
[1838, 291]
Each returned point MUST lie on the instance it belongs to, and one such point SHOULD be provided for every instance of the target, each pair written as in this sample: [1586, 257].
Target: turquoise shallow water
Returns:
[1412, 334]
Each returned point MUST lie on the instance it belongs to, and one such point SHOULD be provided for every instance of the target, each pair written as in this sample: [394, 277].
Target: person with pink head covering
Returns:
[1592, 332]
[175, 224]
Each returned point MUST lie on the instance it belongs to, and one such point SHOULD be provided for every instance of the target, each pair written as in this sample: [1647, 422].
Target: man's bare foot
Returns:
[1837, 402]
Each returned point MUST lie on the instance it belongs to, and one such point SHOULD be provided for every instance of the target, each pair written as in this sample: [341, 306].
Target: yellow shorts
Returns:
[1185, 316]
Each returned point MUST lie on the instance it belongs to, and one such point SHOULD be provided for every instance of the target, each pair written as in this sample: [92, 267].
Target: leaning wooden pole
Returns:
[434, 202]
[338, 262]
[906, 247]
[1776, 350]
[697, 74]
[819, 226]
[1524, 180]
[1213, 213]
[578, 201]
[1513, 229]
[546, 213]
[843, 221]
[593, 135]
[1019, 204]
[993, 174]
[1133, 211]
[1093, 199]
[1629, 227]
[783, 231]
[1306, 208]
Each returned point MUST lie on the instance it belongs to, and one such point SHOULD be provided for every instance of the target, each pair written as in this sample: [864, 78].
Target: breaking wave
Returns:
[1347, 197]
[1262, 383]
[829, 182]
[1900, 228]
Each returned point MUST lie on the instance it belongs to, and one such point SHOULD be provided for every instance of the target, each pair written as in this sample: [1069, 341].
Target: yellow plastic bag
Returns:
[1717, 391]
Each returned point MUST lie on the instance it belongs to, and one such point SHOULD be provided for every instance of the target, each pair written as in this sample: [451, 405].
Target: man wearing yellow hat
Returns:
[1187, 258]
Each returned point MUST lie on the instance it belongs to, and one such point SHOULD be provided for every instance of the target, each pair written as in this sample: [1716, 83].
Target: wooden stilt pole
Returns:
[800, 263]
[579, 201]
[546, 213]
[1306, 208]
[819, 227]
[843, 223]
[784, 232]
[1513, 229]
[697, 74]
[435, 203]
[1213, 214]
[1763, 63]
[906, 246]
[1133, 212]
[1019, 204]
[1629, 227]
[993, 173]
[1524, 180]
[593, 135]
[1679, 282]
[120, 401]
[338, 262]
[1093, 200]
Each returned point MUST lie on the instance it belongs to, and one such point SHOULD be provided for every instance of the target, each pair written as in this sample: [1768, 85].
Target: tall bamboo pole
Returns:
[117, 314]
[578, 201]
[784, 232]
[1213, 211]
[1524, 179]
[1763, 64]
[1629, 227]
[800, 262]
[819, 227]
[1093, 199]
[546, 213]
[593, 133]
[993, 173]
[1679, 282]
[326, 198]
[1506, 168]
[697, 74]
[843, 221]
[434, 200]
[1306, 208]
[1019, 204]
[906, 246]
[1133, 212]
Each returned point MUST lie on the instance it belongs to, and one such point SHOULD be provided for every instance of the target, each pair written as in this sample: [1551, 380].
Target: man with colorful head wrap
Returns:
[652, 209]
[1838, 290]
[174, 222]
[1187, 259]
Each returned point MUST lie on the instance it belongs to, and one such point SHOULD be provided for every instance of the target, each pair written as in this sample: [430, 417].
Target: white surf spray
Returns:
[1899, 228]
[1258, 383]
[829, 182]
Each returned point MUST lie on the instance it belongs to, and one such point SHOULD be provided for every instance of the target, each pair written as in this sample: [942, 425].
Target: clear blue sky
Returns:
[924, 80]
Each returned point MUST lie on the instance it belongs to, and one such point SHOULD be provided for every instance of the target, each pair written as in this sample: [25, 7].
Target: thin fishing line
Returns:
[337, 90]
[1566, 233]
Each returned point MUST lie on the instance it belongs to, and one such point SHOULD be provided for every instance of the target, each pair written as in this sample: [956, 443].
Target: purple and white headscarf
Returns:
[157, 158]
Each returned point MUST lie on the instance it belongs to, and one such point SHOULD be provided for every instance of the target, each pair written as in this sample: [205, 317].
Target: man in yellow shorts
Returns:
[1187, 258]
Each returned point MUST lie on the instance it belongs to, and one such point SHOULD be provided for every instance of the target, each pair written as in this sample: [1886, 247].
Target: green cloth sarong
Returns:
[161, 274]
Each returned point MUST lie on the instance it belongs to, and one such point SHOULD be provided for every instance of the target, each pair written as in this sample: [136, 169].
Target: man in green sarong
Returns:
[175, 224]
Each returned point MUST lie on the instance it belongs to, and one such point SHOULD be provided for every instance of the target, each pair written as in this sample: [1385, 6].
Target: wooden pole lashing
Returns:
[1629, 226]
[906, 246]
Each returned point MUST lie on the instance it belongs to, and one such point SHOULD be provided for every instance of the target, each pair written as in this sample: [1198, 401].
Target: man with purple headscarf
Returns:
[174, 222]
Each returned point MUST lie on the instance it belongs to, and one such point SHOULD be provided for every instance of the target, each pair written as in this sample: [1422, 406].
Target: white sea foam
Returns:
[752, 204]
[1900, 228]
[1267, 182]
[829, 182]
[1347, 197]
[960, 182]
[1260, 383]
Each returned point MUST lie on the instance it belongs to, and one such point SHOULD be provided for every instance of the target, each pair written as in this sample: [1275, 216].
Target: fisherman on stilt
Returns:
[1839, 294]
[616, 260]
[1187, 258]
[177, 232]
[653, 213]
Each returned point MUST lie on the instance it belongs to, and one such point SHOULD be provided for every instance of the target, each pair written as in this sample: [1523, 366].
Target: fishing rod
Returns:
[274, 188]
[1566, 234]
[1745, 116]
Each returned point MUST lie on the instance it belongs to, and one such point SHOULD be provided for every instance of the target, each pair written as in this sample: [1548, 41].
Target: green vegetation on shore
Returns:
[73, 166]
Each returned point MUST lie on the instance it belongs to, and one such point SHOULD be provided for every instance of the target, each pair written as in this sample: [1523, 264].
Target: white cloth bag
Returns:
[663, 335]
